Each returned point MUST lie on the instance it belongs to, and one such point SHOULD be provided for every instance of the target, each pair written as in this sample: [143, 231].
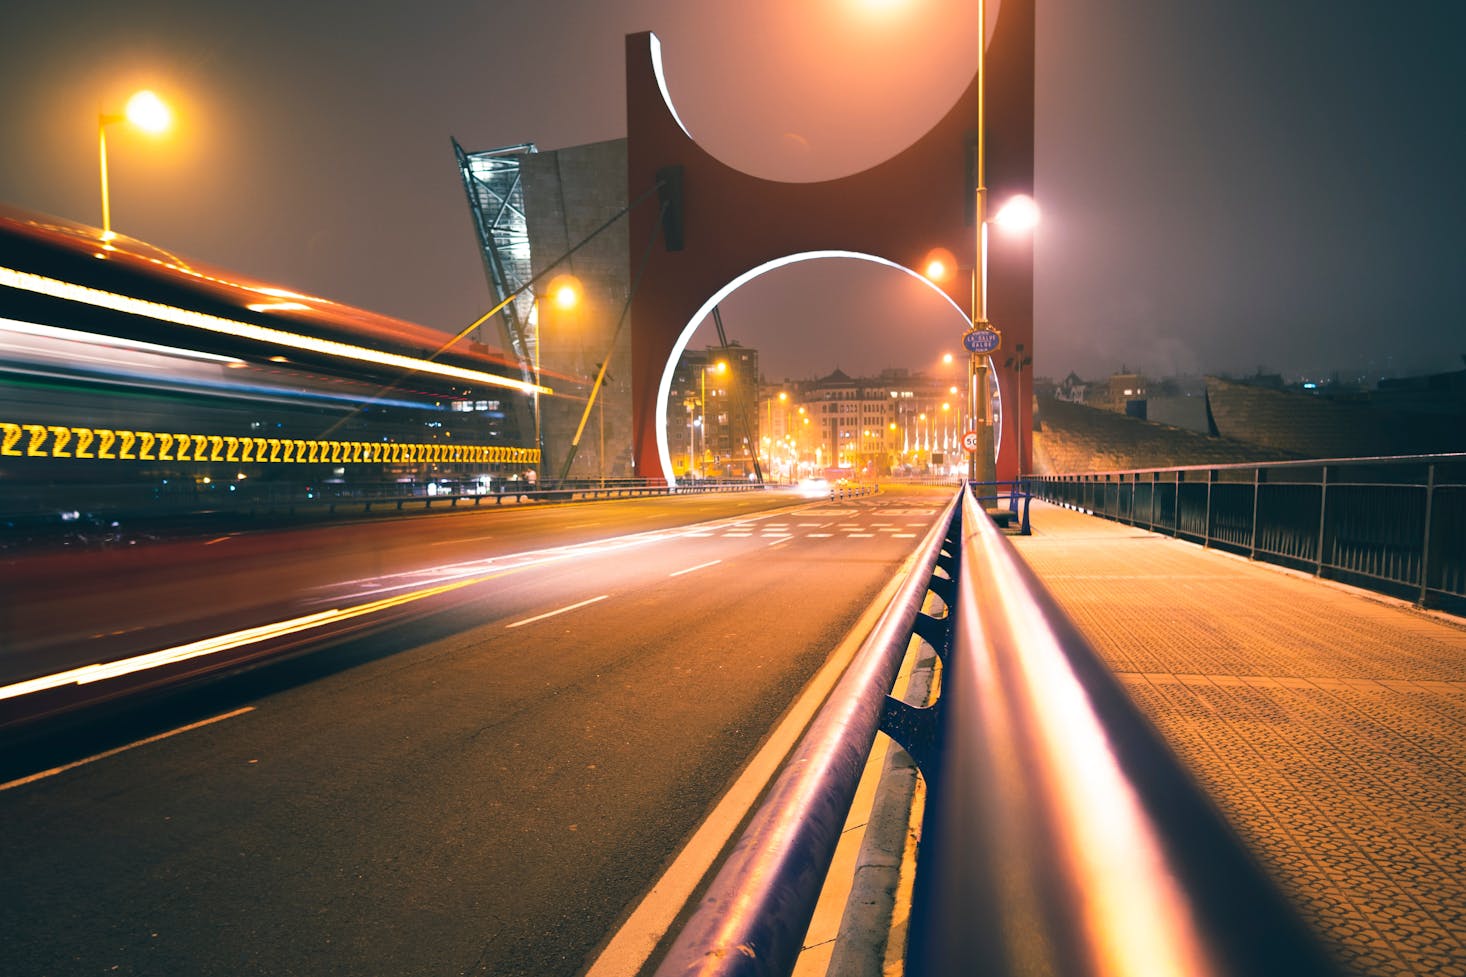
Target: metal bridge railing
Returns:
[1060, 836]
[1395, 525]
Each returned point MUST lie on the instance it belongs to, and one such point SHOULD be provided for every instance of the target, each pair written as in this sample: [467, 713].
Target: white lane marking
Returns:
[464, 539]
[820, 535]
[737, 535]
[635, 940]
[861, 535]
[122, 749]
[903, 535]
[700, 566]
[563, 610]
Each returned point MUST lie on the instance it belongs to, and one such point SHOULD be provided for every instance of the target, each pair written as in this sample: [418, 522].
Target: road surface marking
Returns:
[903, 535]
[700, 566]
[121, 749]
[860, 535]
[464, 539]
[563, 610]
[218, 539]
[820, 535]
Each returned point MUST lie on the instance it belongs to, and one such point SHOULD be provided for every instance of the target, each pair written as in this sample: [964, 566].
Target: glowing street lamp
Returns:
[1017, 213]
[564, 293]
[144, 110]
[719, 368]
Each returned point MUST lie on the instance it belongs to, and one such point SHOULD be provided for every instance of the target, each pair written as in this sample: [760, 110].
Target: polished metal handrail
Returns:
[753, 918]
[1060, 835]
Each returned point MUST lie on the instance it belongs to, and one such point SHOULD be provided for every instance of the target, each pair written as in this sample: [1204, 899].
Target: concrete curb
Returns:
[872, 935]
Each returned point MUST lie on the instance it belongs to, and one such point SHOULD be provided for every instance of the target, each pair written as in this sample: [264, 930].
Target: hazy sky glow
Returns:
[1223, 185]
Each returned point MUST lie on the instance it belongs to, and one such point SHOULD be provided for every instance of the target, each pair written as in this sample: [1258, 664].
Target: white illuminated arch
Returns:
[664, 389]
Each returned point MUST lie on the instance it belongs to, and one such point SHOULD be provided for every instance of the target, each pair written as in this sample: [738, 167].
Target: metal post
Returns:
[1425, 543]
[1257, 479]
[102, 121]
[980, 463]
[1323, 498]
[1211, 477]
[1176, 506]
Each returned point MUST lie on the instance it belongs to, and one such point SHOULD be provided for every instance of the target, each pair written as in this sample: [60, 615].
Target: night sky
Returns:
[1225, 185]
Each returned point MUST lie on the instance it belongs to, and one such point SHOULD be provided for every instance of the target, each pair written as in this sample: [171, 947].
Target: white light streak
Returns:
[71, 292]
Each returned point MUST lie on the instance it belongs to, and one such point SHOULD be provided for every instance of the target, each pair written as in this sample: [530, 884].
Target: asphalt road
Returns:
[484, 786]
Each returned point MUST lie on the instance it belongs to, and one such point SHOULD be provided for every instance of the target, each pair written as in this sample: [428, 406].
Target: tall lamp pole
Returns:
[144, 110]
[982, 338]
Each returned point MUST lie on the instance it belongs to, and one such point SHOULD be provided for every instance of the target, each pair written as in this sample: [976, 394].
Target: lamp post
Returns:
[144, 110]
[981, 465]
[720, 368]
[562, 293]
[983, 339]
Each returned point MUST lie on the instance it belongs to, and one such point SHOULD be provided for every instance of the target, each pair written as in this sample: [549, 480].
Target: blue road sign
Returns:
[982, 341]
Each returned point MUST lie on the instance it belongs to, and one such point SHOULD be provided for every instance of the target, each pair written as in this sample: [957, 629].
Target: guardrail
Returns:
[1060, 835]
[101, 514]
[1396, 525]
[1017, 495]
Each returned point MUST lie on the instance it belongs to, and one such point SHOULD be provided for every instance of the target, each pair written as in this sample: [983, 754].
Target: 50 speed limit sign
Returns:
[969, 441]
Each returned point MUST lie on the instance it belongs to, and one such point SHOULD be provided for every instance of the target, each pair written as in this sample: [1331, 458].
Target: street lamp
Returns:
[719, 368]
[144, 110]
[982, 339]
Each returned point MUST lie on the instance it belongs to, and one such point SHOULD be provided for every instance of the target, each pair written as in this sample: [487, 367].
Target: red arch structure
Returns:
[898, 210]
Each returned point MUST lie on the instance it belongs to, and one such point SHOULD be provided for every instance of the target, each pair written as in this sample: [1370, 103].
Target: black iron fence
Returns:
[1395, 525]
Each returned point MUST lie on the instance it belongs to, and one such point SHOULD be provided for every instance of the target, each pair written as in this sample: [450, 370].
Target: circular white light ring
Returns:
[664, 389]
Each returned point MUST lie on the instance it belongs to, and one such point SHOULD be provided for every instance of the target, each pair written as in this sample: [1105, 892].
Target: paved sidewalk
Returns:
[1329, 725]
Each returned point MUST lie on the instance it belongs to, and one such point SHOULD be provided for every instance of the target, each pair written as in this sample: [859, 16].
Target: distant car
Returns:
[813, 486]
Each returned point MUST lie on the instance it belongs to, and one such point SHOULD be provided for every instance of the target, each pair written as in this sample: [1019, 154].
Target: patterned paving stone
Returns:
[1329, 725]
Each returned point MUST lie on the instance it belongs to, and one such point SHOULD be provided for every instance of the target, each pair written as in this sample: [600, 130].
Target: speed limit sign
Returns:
[969, 441]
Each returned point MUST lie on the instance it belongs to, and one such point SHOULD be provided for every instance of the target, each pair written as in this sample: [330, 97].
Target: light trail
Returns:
[101, 671]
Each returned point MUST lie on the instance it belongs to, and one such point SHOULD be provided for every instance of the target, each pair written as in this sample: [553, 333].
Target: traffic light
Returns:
[669, 193]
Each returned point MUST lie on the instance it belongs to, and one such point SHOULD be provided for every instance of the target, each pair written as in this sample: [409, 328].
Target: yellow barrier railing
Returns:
[106, 444]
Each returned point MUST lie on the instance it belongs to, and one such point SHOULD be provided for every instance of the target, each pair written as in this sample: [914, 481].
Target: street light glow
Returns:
[938, 265]
[147, 111]
[564, 291]
[1020, 213]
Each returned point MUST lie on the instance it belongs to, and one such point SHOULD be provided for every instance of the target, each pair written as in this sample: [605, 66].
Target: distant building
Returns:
[529, 209]
[1071, 390]
[713, 412]
[864, 426]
